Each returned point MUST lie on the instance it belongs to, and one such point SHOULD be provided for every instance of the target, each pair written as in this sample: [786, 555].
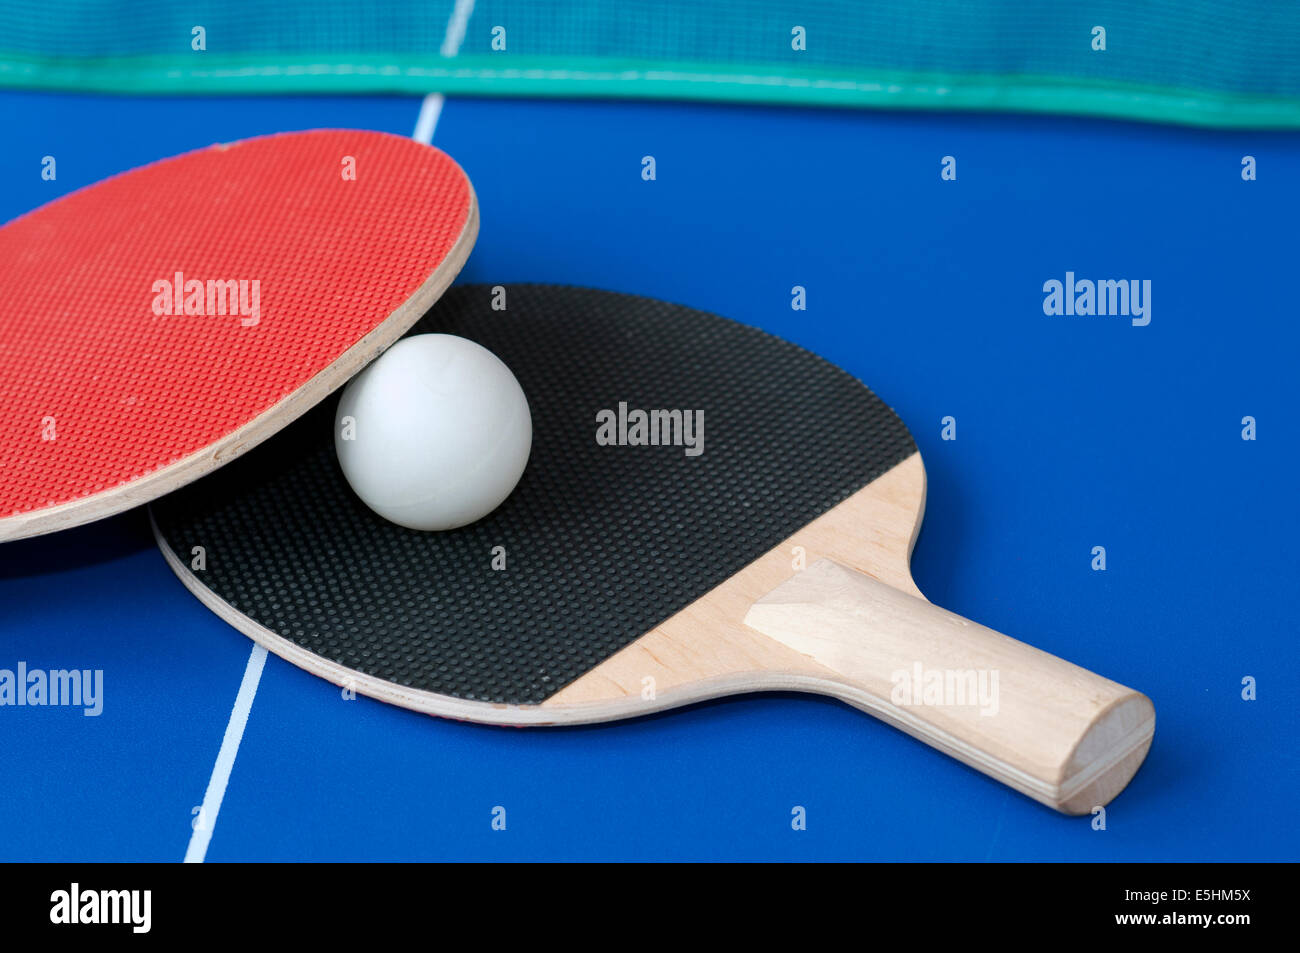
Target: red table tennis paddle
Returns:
[744, 523]
[163, 321]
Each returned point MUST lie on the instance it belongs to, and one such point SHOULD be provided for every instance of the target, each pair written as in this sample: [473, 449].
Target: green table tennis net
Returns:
[1205, 62]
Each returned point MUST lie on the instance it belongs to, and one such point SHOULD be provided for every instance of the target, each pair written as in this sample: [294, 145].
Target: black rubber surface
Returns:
[602, 542]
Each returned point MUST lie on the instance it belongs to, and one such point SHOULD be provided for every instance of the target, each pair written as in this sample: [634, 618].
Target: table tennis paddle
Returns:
[163, 321]
[764, 545]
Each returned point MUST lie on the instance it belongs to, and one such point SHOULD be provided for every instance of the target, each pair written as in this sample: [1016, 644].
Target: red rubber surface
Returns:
[130, 391]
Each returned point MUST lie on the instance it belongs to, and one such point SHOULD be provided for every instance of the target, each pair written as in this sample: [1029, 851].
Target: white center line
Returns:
[425, 124]
[430, 110]
[456, 27]
[207, 819]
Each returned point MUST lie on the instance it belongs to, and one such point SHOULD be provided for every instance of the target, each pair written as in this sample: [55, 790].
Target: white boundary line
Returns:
[206, 822]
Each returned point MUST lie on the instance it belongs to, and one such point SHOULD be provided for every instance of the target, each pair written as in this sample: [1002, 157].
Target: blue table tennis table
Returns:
[1072, 432]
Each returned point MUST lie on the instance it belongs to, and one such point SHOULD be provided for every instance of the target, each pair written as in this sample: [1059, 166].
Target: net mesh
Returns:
[1193, 61]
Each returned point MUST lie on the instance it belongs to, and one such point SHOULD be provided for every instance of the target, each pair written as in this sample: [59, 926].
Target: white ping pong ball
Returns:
[434, 434]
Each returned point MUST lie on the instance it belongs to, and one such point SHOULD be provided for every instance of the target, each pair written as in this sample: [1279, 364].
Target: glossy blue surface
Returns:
[1072, 432]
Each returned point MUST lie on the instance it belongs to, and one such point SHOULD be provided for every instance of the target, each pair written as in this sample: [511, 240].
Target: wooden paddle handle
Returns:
[1046, 727]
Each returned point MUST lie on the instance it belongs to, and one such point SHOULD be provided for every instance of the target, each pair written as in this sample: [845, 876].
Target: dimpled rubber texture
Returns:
[602, 543]
[125, 391]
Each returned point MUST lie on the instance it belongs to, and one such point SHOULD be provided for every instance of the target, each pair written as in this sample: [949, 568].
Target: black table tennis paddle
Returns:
[708, 510]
